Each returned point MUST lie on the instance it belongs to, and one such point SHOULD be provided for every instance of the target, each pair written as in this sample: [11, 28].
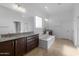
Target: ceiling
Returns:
[42, 9]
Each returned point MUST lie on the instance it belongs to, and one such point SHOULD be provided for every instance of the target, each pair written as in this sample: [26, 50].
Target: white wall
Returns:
[62, 24]
[7, 18]
[29, 24]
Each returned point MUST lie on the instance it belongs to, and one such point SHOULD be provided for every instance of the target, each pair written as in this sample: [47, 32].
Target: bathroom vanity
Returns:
[18, 45]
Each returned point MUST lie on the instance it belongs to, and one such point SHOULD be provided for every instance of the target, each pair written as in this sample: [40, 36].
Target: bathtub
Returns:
[45, 41]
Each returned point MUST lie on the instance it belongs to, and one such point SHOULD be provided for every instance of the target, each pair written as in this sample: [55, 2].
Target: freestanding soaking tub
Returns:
[46, 41]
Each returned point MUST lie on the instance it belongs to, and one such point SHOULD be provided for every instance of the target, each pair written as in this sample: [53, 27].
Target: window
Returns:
[38, 22]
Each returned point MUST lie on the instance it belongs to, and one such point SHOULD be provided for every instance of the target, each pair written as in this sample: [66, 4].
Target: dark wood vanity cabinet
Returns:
[7, 48]
[25, 44]
[20, 46]
[32, 42]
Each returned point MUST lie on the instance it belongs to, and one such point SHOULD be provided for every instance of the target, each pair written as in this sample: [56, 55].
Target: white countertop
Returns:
[15, 37]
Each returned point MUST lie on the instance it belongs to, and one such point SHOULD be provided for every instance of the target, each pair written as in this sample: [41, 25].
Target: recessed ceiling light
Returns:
[46, 7]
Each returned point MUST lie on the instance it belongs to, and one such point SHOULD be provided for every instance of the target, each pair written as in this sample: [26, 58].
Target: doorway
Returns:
[17, 27]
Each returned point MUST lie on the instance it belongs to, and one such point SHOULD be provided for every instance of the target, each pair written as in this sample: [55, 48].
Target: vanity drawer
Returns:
[30, 47]
[32, 42]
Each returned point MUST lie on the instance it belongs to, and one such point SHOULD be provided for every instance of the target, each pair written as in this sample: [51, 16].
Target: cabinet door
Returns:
[20, 46]
[7, 48]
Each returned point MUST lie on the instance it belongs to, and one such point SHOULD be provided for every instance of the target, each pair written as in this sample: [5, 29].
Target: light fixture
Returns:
[46, 7]
[19, 8]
